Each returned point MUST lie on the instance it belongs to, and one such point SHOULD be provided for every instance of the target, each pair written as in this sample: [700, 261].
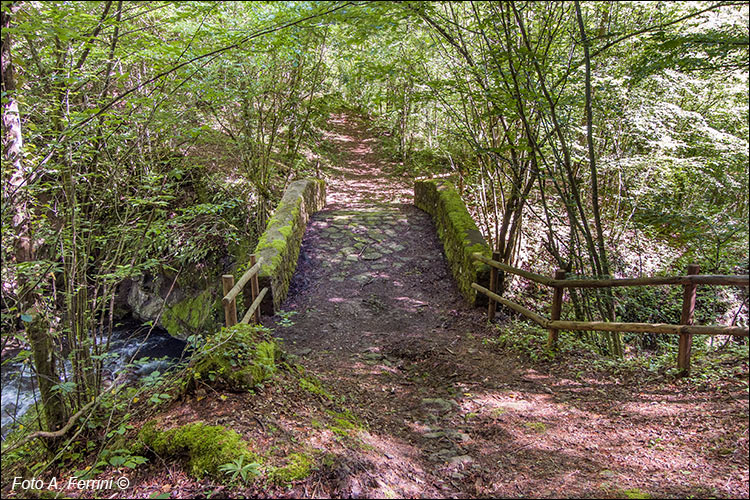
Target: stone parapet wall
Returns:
[279, 245]
[458, 232]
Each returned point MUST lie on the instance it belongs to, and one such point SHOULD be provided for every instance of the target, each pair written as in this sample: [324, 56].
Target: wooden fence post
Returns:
[230, 310]
[556, 310]
[492, 305]
[254, 289]
[688, 308]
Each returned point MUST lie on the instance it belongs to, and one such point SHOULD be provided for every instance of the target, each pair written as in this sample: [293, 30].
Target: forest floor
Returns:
[412, 400]
[404, 392]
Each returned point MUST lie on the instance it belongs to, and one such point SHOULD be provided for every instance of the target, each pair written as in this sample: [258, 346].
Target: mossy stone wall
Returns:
[188, 309]
[458, 232]
[190, 315]
[280, 243]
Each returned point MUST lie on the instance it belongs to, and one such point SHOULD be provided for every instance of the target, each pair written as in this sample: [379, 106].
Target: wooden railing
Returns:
[685, 329]
[231, 290]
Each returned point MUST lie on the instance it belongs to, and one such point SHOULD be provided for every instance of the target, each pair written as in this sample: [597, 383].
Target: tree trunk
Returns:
[29, 299]
[615, 338]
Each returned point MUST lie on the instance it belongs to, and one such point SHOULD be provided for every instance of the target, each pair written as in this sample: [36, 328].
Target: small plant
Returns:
[116, 458]
[238, 468]
[285, 318]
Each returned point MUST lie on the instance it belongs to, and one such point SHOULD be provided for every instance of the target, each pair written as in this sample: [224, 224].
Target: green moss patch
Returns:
[298, 467]
[635, 493]
[280, 243]
[536, 426]
[237, 359]
[190, 315]
[313, 385]
[343, 422]
[206, 447]
[458, 232]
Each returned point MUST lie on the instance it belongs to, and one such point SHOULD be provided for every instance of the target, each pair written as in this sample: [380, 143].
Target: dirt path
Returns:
[394, 388]
[360, 175]
[374, 313]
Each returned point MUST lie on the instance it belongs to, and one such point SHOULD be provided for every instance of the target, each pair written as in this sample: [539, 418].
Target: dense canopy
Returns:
[150, 143]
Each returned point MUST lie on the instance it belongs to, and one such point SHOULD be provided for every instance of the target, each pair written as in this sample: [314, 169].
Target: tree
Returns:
[16, 196]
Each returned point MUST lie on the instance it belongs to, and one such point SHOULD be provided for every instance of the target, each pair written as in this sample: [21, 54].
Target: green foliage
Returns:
[206, 230]
[526, 338]
[207, 448]
[238, 358]
[240, 469]
[120, 458]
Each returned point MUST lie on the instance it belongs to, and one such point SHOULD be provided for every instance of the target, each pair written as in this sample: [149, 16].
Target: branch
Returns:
[61, 432]
[661, 26]
[93, 35]
[203, 56]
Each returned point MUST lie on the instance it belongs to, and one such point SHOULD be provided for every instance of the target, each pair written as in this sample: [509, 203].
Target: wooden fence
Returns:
[685, 329]
[231, 290]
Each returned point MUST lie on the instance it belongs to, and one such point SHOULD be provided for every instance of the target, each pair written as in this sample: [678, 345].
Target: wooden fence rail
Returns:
[231, 290]
[685, 329]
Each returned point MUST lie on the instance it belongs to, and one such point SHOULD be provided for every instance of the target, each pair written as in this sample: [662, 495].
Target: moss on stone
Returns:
[298, 467]
[189, 315]
[237, 358]
[206, 447]
[458, 231]
[286, 231]
[280, 243]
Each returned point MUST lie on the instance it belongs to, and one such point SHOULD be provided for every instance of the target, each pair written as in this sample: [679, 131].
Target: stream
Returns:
[19, 390]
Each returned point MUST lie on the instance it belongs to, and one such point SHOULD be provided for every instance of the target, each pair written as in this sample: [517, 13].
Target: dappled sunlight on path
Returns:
[374, 313]
[361, 175]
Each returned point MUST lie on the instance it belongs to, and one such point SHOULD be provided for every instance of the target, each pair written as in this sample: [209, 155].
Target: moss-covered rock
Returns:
[237, 359]
[458, 232]
[280, 243]
[190, 315]
[206, 447]
[189, 307]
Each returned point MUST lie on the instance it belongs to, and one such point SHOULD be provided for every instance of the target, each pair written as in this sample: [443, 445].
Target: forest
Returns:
[149, 148]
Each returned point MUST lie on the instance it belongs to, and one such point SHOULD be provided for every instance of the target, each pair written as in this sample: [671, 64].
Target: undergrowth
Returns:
[710, 362]
[238, 358]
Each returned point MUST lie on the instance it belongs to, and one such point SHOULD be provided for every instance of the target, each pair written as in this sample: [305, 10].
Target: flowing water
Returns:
[131, 342]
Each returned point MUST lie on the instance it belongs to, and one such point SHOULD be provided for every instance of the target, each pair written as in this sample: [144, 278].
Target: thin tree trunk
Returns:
[29, 300]
[616, 339]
